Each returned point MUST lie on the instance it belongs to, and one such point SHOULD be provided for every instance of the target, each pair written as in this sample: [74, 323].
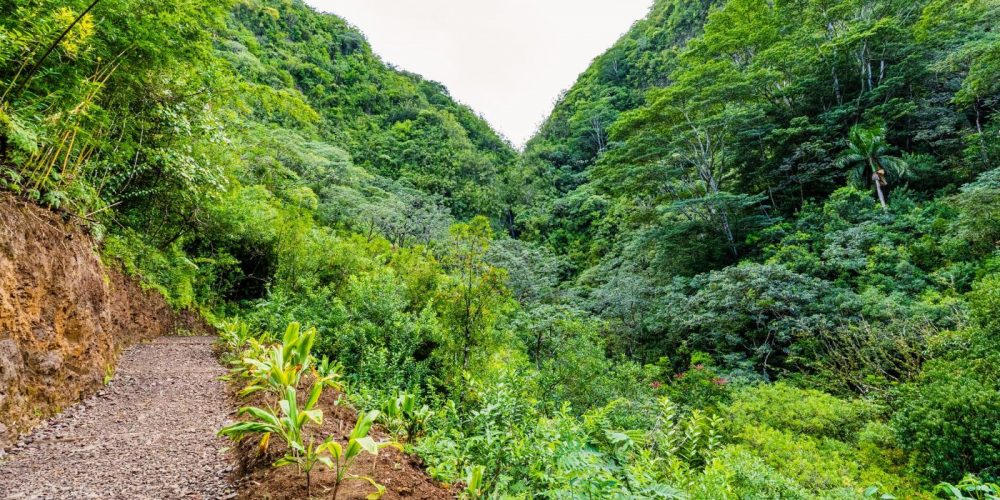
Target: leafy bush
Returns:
[969, 488]
[950, 416]
[816, 464]
[736, 472]
[403, 418]
[568, 350]
[801, 411]
[386, 345]
[701, 386]
[986, 304]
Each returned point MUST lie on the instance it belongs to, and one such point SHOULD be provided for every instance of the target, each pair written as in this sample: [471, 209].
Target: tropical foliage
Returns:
[753, 252]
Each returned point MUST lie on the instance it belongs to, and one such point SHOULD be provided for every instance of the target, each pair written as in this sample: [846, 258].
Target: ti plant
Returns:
[283, 365]
[241, 346]
[288, 426]
[235, 335]
[403, 418]
[239, 360]
[342, 457]
[306, 457]
[329, 373]
[474, 483]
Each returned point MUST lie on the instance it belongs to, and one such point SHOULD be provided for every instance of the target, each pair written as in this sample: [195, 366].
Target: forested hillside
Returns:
[555, 202]
[395, 125]
[753, 253]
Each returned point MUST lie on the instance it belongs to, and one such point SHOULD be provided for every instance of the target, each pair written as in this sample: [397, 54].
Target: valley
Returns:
[754, 252]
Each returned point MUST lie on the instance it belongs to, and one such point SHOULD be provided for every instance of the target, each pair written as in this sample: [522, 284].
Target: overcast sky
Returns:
[508, 59]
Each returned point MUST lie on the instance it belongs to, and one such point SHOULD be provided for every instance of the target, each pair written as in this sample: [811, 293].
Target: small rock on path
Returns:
[148, 434]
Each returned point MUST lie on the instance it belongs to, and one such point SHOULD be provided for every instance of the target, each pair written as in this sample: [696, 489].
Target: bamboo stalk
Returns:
[51, 163]
[85, 154]
[50, 151]
[24, 64]
[34, 68]
[69, 151]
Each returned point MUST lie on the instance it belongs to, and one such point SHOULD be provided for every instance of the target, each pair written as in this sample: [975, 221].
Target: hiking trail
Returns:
[150, 433]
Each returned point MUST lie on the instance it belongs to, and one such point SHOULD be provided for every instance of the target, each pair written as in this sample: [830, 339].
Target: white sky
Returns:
[508, 59]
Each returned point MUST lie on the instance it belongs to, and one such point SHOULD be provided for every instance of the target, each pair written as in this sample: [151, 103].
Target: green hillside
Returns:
[394, 124]
[753, 253]
[556, 205]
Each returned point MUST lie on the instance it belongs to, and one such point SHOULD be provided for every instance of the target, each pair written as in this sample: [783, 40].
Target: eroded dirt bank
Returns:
[64, 317]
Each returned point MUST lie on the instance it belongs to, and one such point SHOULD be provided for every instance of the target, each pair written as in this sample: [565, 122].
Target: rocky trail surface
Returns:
[149, 434]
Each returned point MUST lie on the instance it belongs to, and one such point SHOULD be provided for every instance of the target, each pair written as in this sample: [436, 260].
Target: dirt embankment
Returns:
[64, 317]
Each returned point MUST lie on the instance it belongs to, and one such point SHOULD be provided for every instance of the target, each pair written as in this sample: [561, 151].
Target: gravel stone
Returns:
[140, 438]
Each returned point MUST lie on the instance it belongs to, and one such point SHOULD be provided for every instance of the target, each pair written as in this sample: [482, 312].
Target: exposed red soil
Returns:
[64, 317]
[403, 475]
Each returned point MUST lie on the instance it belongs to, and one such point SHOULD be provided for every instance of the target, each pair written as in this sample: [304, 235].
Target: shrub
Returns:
[818, 465]
[403, 417]
[381, 342]
[735, 472]
[702, 386]
[950, 416]
[802, 411]
[986, 303]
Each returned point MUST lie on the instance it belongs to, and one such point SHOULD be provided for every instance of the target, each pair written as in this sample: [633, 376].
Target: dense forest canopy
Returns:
[753, 252]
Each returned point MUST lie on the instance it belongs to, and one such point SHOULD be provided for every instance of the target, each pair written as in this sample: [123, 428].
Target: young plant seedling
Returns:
[342, 457]
[474, 484]
[284, 364]
[288, 426]
[403, 417]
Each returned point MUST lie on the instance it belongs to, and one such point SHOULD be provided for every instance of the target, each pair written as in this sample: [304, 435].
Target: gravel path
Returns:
[149, 434]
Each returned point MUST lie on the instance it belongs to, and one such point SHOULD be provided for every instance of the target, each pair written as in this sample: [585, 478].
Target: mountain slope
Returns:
[557, 159]
[783, 264]
[393, 123]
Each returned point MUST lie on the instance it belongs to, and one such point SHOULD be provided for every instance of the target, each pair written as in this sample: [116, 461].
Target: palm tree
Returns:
[868, 158]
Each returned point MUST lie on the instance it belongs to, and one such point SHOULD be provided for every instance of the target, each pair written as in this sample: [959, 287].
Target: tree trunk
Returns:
[878, 188]
[465, 356]
[727, 229]
[836, 86]
[511, 222]
[982, 139]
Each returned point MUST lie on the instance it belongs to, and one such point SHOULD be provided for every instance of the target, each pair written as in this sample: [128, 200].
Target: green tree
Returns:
[869, 160]
[475, 296]
[949, 417]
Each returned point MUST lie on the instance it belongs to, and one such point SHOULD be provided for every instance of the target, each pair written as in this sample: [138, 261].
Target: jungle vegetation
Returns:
[753, 252]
